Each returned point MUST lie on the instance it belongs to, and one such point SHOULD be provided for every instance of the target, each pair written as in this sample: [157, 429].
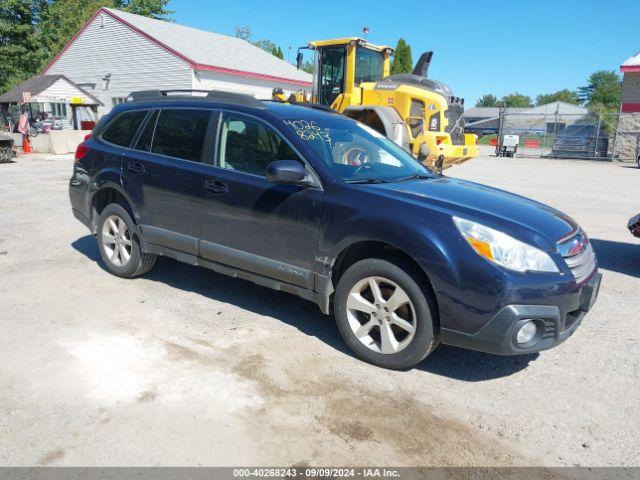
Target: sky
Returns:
[499, 47]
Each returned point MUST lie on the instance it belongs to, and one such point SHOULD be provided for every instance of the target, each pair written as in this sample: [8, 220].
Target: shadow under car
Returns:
[452, 362]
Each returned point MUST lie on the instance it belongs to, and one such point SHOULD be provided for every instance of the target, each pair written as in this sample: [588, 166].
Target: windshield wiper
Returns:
[417, 176]
[368, 180]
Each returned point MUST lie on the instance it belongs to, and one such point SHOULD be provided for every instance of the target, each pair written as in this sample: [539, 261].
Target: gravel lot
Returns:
[187, 367]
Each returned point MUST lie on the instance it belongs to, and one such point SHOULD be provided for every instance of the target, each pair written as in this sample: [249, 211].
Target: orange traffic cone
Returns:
[26, 148]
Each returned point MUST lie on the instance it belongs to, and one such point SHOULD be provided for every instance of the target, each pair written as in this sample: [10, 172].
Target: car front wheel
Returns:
[384, 315]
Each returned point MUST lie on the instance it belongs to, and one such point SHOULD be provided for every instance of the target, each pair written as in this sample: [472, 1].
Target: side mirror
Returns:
[299, 60]
[285, 171]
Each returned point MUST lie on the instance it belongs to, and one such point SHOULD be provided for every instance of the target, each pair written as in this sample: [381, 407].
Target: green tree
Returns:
[307, 67]
[564, 95]
[516, 100]
[149, 8]
[266, 45]
[602, 92]
[243, 33]
[20, 53]
[488, 100]
[402, 59]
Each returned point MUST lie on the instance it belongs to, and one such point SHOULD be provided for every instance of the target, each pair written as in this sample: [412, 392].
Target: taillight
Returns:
[87, 137]
[81, 151]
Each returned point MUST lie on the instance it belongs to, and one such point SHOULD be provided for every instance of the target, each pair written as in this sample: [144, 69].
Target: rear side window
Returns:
[122, 130]
[146, 137]
[181, 133]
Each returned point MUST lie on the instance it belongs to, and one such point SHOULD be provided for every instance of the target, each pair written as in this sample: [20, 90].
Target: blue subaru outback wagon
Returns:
[310, 202]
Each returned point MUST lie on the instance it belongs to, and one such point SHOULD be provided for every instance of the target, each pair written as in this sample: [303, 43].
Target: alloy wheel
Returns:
[381, 315]
[116, 240]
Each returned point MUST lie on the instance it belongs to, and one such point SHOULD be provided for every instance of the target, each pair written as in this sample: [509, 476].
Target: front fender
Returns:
[466, 287]
[426, 248]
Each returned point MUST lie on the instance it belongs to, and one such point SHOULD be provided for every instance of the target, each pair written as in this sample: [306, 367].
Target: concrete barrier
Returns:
[58, 142]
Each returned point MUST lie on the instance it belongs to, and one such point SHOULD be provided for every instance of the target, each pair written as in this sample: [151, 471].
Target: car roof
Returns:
[309, 112]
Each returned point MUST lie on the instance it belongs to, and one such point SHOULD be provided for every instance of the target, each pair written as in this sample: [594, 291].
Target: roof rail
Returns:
[315, 106]
[214, 95]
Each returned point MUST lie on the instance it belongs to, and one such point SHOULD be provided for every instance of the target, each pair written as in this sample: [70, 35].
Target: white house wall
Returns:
[61, 91]
[258, 87]
[134, 62]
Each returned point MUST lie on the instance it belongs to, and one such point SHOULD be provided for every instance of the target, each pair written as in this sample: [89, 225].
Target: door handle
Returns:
[215, 186]
[136, 168]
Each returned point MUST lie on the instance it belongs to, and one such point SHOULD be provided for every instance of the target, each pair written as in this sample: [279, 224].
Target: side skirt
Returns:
[320, 299]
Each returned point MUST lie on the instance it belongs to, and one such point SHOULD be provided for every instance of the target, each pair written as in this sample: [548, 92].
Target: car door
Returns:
[163, 175]
[250, 223]
[116, 138]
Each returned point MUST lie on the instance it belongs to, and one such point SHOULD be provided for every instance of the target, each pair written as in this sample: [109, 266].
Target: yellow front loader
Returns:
[422, 115]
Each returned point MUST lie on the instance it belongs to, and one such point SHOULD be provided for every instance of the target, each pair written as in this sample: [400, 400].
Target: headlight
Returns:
[504, 250]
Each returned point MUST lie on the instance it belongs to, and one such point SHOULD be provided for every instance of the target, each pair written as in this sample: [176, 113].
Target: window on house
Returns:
[59, 109]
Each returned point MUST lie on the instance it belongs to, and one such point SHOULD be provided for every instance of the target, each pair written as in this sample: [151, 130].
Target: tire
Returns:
[638, 161]
[417, 310]
[122, 256]
[6, 155]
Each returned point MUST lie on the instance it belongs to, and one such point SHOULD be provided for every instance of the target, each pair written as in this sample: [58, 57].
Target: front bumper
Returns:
[457, 153]
[634, 226]
[441, 149]
[82, 218]
[498, 336]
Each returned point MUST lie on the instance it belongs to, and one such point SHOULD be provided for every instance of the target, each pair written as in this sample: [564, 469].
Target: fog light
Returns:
[527, 332]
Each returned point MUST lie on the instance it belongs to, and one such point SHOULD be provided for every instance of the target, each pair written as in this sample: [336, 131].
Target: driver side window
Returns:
[248, 146]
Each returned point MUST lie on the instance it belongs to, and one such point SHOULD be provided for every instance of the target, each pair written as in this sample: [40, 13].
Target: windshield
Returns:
[355, 152]
[369, 65]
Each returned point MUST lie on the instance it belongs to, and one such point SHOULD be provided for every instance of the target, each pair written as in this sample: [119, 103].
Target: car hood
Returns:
[479, 202]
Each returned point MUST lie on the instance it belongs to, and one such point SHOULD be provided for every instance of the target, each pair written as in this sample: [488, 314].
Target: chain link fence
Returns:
[605, 136]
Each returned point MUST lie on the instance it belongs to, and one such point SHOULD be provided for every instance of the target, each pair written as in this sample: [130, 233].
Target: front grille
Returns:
[579, 256]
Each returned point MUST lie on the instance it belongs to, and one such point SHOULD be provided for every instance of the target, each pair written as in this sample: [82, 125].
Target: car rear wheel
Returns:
[384, 315]
[119, 247]
[638, 161]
